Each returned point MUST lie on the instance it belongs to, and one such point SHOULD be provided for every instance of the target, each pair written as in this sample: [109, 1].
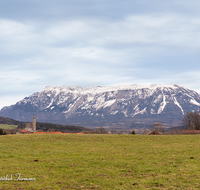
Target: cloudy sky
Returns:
[97, 43]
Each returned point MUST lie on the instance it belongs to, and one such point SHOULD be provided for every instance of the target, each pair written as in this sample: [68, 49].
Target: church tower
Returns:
[31, 126]
[34, 123]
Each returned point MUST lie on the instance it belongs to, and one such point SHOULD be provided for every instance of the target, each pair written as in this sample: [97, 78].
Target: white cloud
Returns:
[15, 37]
[140, 48]
[9, 100]
[83, 36]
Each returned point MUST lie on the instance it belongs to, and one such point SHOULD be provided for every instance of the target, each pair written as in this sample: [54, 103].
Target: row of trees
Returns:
[99, 130]
[192, 120]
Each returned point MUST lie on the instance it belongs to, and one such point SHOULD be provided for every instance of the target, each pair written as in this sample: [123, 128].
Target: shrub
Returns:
[133, 132]
[2, 132]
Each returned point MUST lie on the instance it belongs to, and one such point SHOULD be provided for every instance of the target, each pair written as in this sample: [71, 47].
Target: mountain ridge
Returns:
[121, 106]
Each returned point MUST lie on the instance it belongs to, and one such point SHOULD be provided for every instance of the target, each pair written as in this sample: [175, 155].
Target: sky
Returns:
[97, 43]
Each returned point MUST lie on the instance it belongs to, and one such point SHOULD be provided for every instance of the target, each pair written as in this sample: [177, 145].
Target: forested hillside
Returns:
[44, 126]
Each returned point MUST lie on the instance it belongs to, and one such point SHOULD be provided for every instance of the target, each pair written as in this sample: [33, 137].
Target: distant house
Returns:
[191, 131]
[25, 132]
[154, 133]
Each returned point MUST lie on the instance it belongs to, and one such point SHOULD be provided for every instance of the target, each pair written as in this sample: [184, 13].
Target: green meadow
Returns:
[4, 126]
[70, 161]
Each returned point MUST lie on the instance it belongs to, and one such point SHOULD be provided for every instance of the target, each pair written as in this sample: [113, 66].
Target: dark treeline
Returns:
[45, 126]
[57, 127]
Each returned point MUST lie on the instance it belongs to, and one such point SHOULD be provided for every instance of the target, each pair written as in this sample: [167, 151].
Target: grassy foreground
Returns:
[62, 161]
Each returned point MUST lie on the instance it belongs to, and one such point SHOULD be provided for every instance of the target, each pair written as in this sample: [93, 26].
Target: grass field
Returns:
[59, 161]
[8, 126]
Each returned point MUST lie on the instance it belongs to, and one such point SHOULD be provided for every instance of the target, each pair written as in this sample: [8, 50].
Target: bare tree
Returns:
[145, 132]
[113, 131]
[188, 120]
[158, 126]
[192, 120]
[101, 130]
[196, 120]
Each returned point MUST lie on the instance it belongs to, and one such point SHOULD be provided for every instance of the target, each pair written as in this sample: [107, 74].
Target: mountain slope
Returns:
[122, 106]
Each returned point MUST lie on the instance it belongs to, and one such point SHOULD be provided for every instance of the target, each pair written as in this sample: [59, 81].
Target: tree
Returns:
[145, 132]
[188, 120]
[158, 126]
[133, 132]
[196, 120]
[2, 132]
[101, 130]
[113, 131]
[192, 120]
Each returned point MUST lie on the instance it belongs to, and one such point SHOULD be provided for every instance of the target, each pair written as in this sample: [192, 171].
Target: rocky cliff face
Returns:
[121, 106]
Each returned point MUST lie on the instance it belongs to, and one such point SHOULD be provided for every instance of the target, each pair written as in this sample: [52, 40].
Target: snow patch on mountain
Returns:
[162, 105]
[109, 103]
[103, 89]
[136, 107]
[192, 101]
[139, 111]
[176, 103]
[50, 104]
[125, 113]
[114, 112]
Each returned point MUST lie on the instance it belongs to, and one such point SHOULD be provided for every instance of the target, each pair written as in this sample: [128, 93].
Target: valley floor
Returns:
[69, 161]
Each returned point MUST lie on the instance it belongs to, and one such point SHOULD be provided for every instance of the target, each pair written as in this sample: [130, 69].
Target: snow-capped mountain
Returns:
[120, 106]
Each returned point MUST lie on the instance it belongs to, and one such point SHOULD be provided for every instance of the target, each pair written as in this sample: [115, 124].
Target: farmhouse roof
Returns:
[25, 132]
[154, 133]
[191, 131]
[58, 132]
